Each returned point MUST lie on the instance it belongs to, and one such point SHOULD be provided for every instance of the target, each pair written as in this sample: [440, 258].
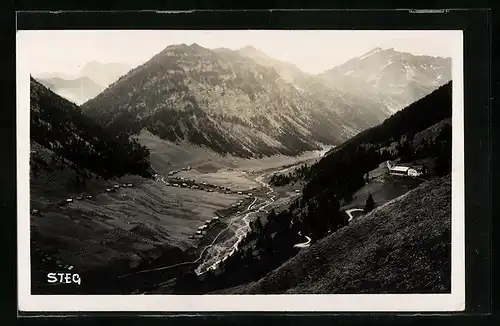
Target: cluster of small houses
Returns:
[46, 258]
[202, 229]
[177, 171]
[81, 197]
[183, 182]
[406, 170]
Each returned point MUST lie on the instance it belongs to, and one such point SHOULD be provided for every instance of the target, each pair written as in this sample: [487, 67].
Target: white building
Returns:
[413, 172]
[399, 170]
[405, 171]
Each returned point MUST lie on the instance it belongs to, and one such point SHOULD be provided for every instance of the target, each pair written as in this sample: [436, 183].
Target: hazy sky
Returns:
[312, 51]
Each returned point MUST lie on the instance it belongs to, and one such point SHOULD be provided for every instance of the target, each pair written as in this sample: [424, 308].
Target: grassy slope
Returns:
[401, 247]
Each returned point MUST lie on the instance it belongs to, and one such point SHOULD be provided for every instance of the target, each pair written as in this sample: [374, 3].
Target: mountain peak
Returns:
[254, 53]
[249, 49]
[177, 46]
[370, 53]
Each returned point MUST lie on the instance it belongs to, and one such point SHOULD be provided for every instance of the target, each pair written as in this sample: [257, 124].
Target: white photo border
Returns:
[455, 301]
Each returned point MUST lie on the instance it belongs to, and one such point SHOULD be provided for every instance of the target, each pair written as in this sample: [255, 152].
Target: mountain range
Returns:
[244, 103]
[396, 78]
[90, 81]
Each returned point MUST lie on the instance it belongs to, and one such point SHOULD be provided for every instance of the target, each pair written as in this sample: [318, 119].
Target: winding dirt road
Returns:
[303, 244]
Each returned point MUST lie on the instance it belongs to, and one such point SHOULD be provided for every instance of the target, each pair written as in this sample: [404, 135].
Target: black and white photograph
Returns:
[217, 170]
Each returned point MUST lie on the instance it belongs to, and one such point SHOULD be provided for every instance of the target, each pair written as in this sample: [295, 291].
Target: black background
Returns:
[476, 26]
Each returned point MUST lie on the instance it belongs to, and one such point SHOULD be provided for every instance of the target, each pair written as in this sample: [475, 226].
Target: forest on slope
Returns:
[59, 125]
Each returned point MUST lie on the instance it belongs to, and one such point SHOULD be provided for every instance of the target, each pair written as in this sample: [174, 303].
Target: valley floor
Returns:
[132, 234]
[136, 235]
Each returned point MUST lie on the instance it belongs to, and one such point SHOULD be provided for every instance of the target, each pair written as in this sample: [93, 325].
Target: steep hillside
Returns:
[227, 102]
[76, 90]
[60, 126]
[401, 247]
[397, 78]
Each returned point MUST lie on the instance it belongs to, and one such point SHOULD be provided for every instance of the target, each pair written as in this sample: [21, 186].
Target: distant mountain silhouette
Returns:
[104, 73]
[90, 81]
[76, 90]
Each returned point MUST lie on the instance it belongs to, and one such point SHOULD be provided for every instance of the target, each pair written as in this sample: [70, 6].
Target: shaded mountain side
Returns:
[226, 101]
[54, 177]
[401, 247]
[59, 125]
